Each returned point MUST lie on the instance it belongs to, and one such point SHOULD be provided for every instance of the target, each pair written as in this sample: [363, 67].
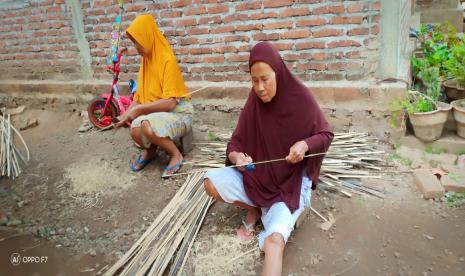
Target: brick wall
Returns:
[37, 40]
[319, 39]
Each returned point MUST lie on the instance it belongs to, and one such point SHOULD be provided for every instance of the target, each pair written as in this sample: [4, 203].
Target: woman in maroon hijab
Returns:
[280, 119]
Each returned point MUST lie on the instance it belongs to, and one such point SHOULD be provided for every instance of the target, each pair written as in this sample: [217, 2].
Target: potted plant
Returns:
[426, 114]
[436, 42]
[459, 116]
[455, 87]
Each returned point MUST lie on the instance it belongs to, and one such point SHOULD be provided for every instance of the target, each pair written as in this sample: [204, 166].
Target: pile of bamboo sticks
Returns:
[168, 240]
[10, 156]
[351, 157]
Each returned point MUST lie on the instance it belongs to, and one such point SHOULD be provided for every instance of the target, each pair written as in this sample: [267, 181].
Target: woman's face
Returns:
[263, 81]
[139, 48]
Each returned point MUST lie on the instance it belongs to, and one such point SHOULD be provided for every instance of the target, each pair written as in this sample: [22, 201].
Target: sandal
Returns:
[170, 170]
[139, 162]
[247, 233]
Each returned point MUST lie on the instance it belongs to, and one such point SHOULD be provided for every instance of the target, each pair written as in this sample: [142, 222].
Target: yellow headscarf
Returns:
[159, 74]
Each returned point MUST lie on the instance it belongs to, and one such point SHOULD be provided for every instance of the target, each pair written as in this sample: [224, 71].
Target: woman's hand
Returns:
[128, 116]
[297, 152]
[240, 159]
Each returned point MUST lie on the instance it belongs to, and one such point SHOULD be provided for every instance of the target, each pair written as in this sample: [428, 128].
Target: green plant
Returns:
[397, 158]
[456, 63]
[213, 137]
[436, 48]
[455, 199]
[430, 149]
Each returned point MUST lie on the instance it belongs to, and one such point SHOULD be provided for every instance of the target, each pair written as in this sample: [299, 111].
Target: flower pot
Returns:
[459, 116]
[428, 126]
[453, 91]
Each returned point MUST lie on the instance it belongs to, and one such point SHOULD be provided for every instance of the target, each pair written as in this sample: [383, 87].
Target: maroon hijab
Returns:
[268, 130]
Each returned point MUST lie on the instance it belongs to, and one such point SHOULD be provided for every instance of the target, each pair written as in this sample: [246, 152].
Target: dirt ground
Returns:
[52, 211]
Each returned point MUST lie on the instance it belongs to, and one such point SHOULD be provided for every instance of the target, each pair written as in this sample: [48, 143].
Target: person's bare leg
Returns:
[163, 142]
[146, 154]
[274, 251]
[211, 190]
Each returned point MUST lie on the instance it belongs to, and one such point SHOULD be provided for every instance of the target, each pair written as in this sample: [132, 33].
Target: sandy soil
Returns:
[53, 211]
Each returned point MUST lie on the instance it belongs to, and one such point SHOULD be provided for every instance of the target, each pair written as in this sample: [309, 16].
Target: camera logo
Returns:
[15, 259]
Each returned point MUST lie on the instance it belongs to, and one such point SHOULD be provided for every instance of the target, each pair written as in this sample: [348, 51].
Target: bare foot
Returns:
[247, 230]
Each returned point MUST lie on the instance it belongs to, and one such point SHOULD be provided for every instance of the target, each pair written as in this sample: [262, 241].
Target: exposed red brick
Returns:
[180, 3]
[235, 17]
[346, 19]
[54, 9]
[352, 55]
[312, 66]
[295, 34]
[329, 9]
[170, 23]
[232, 38]
[249, 6]
[213, 59]
[202, 69]
[195, 11]
[311, 22]
[186, 22]
[170, 14]
[358, 31]
[105, 3]
[376, 6]
[210, 20]
[258, 16]
[264, 36]
[225, 68]
[321, 56]
[343, 43]
[135, 8]
[224, 49]
[224, 29]
[200, 51]
[354, 8]
[197, 31]
[245, 48]
[249, 27]
[218, 9]
[188, 41]
[237, 58]
[288, 12]
[375, 30]
[327, 32]
[309, 1]
[277, 3]
[211, 40]
[278, 25]
[310, 45]
[342, 66]
[283, 46]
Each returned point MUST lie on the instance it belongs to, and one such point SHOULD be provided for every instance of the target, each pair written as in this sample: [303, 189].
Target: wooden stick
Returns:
[318, 214]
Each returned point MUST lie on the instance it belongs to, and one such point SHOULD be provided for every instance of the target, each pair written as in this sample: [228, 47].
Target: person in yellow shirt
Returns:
[161, 111]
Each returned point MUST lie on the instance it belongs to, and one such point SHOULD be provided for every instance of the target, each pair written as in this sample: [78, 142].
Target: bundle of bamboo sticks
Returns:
[10, 155]
[168, 240]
